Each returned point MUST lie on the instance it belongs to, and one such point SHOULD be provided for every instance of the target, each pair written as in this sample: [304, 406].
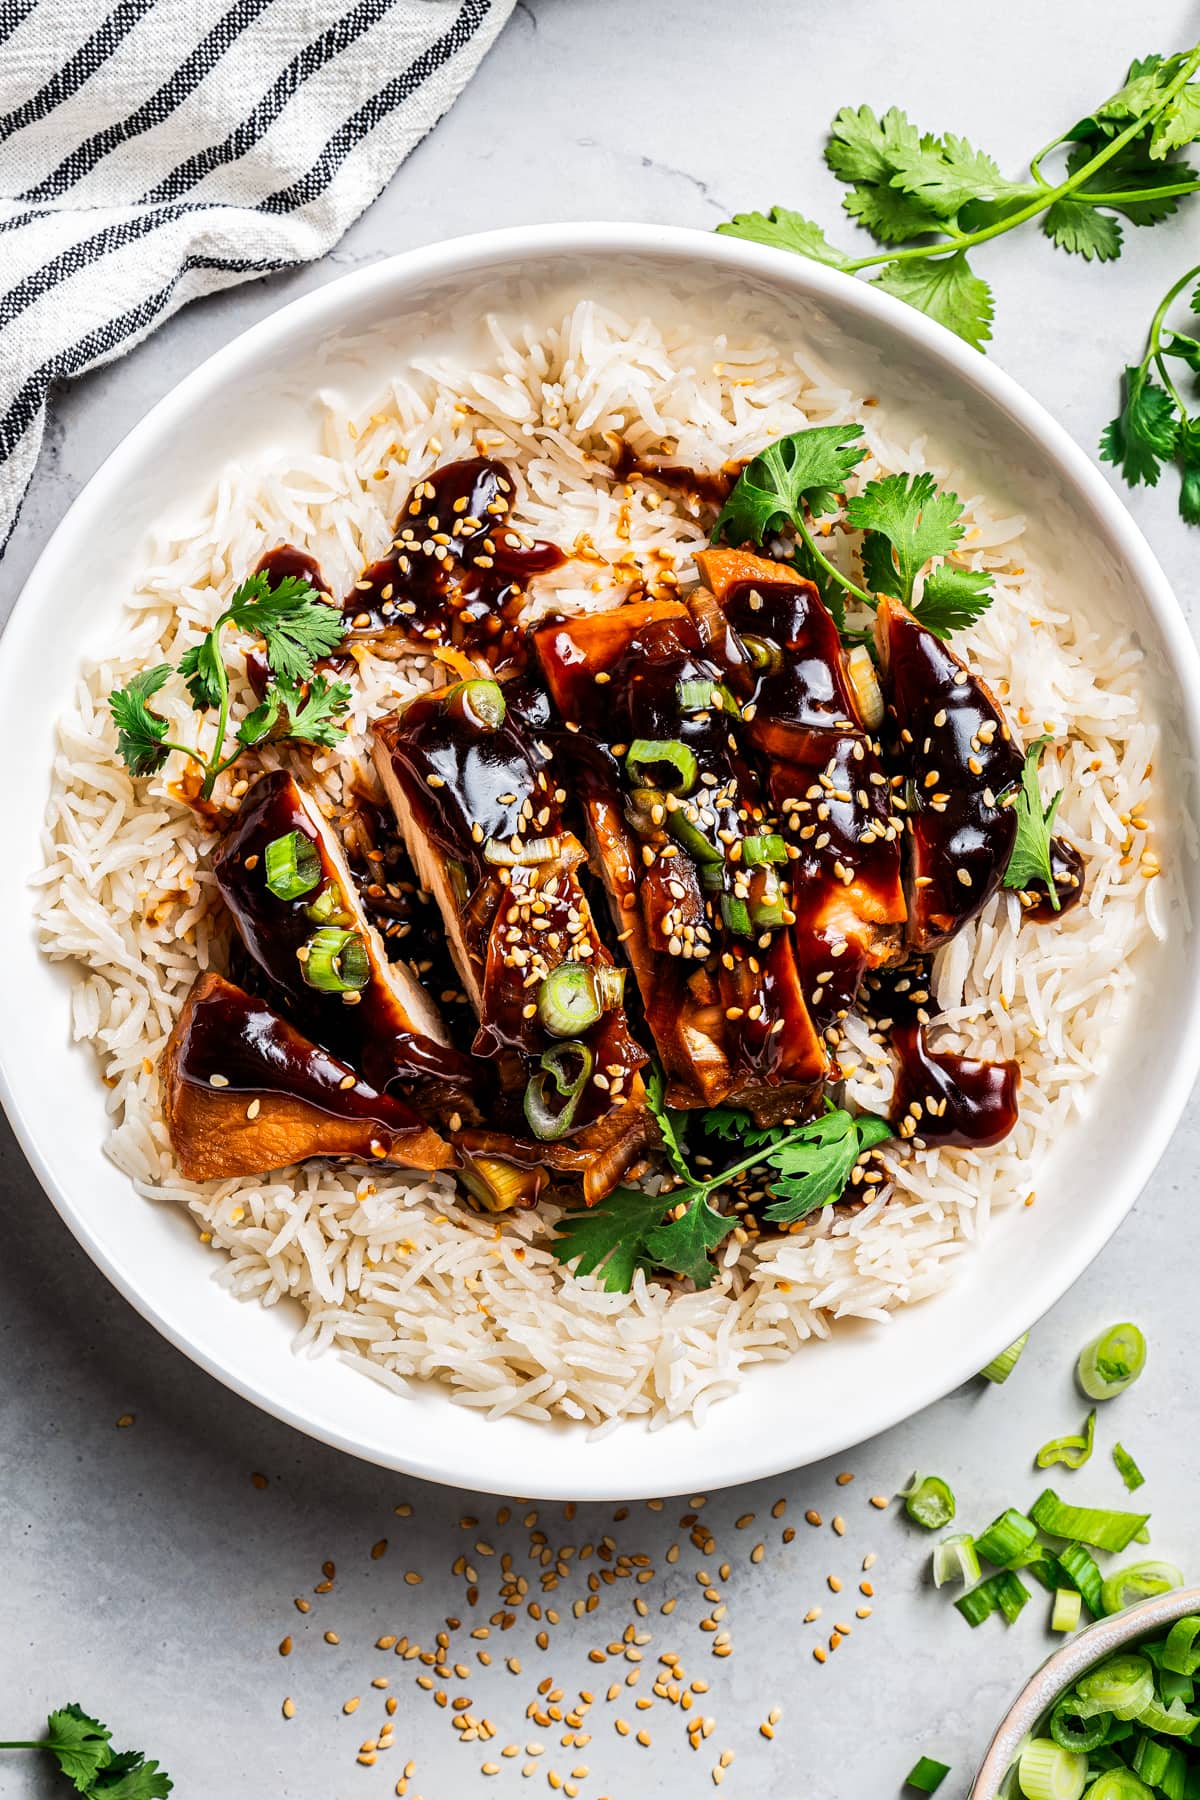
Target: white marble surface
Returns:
[142, 1570]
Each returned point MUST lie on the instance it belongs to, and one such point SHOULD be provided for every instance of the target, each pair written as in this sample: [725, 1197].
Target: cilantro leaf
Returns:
[1142, 89]
[864, 148]
[203, 672]
[1178, 123]
[682, 1245]
[140, 732]
[1180, 344]
[814, 1163]
[730, 1124]
[910, 521]
[610, 1238]
[79, 1744]
[783, 229]
[953, 598]
[1131, 168]
[1189, 460]
[130, 1777]
[1030, 859]
[946, 173]
[666, 1119]
[314, 718]
[1076, 226]
[1142, 437]
[946, 289]
[890, 216]
[258, 725]
[806, 466]
[295, 625]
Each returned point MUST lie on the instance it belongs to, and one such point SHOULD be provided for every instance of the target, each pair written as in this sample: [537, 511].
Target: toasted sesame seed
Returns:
[289, 1708]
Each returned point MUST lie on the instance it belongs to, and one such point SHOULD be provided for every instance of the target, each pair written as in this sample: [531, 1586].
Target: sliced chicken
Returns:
[245, 1091]
[372, 1012]
[475, 795]
[693, 865]
[802, 715]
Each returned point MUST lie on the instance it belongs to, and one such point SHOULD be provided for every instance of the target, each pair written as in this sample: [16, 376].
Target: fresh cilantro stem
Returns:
[1154, 349]
[831, 569]
[964, 240]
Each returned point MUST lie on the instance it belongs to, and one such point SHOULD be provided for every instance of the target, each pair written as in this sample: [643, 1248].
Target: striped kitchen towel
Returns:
[154, 150]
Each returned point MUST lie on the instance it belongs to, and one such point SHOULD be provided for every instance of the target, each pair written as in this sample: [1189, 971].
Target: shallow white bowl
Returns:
[254, 397]
[1064, 1668]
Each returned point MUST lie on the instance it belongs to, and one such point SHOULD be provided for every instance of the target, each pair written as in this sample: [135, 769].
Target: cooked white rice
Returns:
[390, 1269]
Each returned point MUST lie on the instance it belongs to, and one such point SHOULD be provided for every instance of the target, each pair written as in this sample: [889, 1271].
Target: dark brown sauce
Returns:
[712, 487]
[456, 574]
[371, 1032]
[959, 1100]
[252, 1050]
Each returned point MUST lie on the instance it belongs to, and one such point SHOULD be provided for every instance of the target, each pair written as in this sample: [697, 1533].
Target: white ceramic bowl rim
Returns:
[456, 258]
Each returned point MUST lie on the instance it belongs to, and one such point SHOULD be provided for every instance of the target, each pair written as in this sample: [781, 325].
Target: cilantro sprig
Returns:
[1154, 426]
[296, 628]
[928, 200]
[906, 520]
[82, 1748]
[1032, 847]
[809, 1166]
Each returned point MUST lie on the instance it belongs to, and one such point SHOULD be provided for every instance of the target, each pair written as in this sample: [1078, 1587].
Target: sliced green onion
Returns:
[1118, 1784]
[329, 907]
[928, 1501]
[293, 865]
[735, 915]
[955, 1559]
[1079, 1566]
[1129, 1472]
[768, 909]
[1172, 1721]
[1006, 1537]
[1138, 1582]
[1002, 1366]
[545, 1121]
[647, 756]
[1068, 1604]
[712, 877]
[1122, 1686]
[1004, 1592]
[769, 847]
[764, 654]
[1074, 1733]
[927, 1775]
[335, 961]
[1073, 1451]
[699, 695]
[567, 1002]
[684, 829]
[1048, 1772]
[1161, 1766]
[1172, 1686]
[1180, 1654]
[1044, 1566]
[1112, 1362]
[1096, 1525]
[533, 850]
[478, 704]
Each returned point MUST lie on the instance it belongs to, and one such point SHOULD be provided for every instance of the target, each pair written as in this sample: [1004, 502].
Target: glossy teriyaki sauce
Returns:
[940, 1097]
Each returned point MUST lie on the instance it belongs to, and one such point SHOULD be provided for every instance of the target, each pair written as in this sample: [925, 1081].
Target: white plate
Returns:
[255, 396]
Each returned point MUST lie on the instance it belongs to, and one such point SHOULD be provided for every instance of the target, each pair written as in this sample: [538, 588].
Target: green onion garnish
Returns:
[1140, 1581]
[927, 1775]
[1172, 1721]
[683, 828]
[1112, 1362]
[955, 1559]
[478, 704]
[1180, 1653]
[1073, 1451]
[735, 915]
[329, 907]
[335, 961]
[698, 695]
[1004, 1592]
[1079, 1566]
[928, 1501]
[1161, 1766]
[1118, 1784]
[293, 865]
[1048, 1772]
[1122, 1686]
[1006, 1538]
[649, 756]
[1002, 1366]
[1096, 1525]
[763, 653]
[768, 910]
[567, 1001]
[768, 847]
[545, 1121]
[1129, 1472]
[1068, 1604]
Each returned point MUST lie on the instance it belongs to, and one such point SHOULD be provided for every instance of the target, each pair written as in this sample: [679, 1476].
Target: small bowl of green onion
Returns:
[1113, 1715]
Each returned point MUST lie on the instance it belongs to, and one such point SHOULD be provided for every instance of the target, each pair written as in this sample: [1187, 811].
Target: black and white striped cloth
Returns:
[155, 150]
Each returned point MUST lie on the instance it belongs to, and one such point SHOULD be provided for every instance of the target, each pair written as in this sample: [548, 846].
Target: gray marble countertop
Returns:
[151, 1570]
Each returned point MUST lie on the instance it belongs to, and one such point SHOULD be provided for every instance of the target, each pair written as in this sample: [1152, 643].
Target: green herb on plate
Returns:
[1031, 857]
